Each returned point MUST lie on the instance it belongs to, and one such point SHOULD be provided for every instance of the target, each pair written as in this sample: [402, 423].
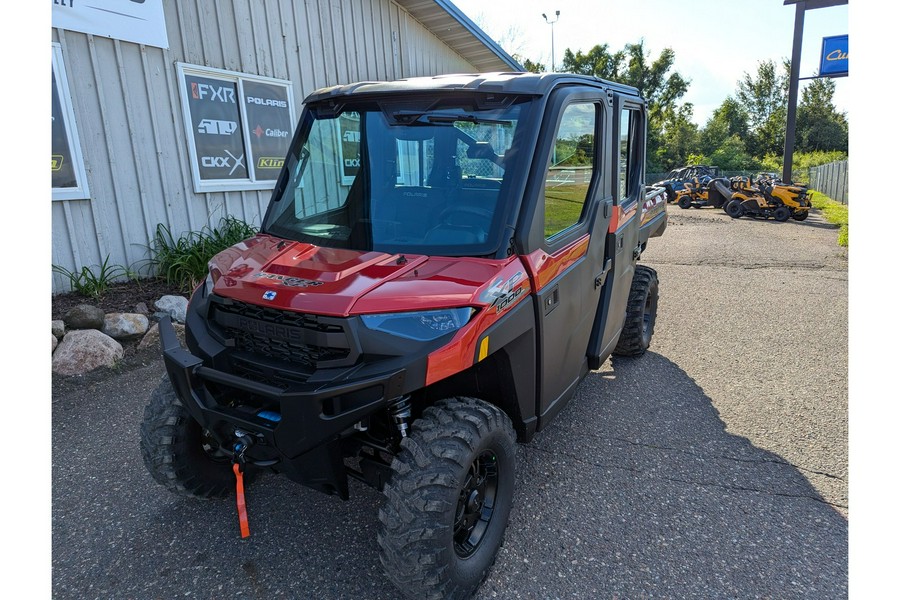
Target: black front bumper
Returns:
[296, 431]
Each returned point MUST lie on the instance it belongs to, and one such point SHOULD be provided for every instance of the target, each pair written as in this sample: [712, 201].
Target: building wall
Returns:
[129, 115]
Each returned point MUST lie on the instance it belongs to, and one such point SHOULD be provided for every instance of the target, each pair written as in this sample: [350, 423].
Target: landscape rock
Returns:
[84, 350]
[84, 316]
[59, 328]
[151, 338]
[125, 326]
[174, 306]
[55, 342]
[141, 307]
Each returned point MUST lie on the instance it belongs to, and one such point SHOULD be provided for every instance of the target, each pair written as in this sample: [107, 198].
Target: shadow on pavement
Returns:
[635, 491]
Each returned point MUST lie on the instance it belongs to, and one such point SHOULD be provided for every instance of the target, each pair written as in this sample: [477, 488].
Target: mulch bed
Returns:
[120, 297]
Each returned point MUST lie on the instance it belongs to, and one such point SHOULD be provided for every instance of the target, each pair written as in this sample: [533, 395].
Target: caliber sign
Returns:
[834, 56]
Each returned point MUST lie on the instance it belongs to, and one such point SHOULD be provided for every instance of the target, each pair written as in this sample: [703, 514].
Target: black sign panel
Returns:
[349, 130]
[269, 121]
[61, 165]
[216, 127]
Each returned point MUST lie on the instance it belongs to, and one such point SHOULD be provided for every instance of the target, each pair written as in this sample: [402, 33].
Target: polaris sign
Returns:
[834, 57]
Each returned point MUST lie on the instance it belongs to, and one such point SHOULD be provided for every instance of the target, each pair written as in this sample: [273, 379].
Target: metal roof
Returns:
[457, 31]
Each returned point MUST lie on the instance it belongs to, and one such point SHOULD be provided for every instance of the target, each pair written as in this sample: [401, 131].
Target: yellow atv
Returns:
[766, 198]
[704, 191]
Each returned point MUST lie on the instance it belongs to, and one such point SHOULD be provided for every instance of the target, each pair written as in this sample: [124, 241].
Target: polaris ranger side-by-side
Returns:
[442, 262]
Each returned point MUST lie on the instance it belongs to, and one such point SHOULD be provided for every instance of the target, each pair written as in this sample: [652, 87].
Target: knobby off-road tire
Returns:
[448, 500]
[176, 452]
[640, 315]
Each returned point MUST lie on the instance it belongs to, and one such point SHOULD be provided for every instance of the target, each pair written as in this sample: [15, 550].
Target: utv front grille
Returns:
[311, 341]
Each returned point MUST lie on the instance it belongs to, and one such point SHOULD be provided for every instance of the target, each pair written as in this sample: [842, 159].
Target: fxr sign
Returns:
[834, 62]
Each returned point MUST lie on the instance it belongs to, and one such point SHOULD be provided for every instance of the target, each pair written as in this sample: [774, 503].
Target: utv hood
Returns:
[268, 271]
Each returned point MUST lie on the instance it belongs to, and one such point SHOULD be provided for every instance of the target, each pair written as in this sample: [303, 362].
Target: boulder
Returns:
[84, 316]
[84, 350]
[125, 326]
[174, 306]
[151, 338]
[59, 328]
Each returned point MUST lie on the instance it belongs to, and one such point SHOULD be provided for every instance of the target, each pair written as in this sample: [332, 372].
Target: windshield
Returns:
[421, 177]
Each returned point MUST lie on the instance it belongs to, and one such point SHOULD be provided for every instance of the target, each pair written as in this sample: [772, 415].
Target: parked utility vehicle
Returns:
[442, 262]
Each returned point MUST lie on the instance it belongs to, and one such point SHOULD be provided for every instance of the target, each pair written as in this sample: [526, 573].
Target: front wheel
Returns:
[800, 215]
[448, 499]
[178, 453]
[640, 315]
[684, 202]
[782, 214]
[734, 209]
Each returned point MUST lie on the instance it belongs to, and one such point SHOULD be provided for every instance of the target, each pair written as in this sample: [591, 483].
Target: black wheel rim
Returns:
[476, 504]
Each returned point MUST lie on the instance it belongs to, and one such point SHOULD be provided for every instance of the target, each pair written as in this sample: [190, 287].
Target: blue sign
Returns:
[834, 56]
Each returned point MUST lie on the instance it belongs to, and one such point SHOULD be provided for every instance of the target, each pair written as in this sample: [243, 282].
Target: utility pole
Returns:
[552, 46]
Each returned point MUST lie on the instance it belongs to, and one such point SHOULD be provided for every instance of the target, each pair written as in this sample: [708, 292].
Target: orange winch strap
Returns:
[241, 503]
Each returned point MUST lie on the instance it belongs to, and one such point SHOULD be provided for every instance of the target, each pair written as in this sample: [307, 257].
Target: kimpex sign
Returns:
[138, 21]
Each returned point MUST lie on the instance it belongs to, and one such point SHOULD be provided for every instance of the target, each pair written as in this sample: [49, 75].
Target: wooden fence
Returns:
[831, 180]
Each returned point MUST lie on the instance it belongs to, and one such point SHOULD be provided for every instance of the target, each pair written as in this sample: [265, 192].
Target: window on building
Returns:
[570, 170]
[240, 127]
[69, 181]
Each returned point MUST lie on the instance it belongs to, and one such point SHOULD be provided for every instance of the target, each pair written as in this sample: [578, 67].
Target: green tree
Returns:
[727, 121]
[819, 125]
[764, 98]
[531, 67]
[657, 83]
[680, 138]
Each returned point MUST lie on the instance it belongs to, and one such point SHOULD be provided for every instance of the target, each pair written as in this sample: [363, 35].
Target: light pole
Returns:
[552, 49]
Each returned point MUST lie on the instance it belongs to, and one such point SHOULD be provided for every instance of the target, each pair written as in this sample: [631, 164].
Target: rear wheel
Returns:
[734, 209]
[448, 500]
[782, 214]
[178, 453]
[640, 315]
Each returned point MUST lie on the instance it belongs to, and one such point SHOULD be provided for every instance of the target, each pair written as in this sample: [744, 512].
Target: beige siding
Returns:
[129, 117]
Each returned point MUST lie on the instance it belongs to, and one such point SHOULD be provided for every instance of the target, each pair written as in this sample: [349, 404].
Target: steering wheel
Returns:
[444, 217]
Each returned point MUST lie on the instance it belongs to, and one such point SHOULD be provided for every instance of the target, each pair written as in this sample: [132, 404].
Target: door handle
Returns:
[601, 278]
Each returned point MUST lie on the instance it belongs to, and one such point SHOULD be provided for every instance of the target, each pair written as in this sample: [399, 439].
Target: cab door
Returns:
[623, 238]
[568, 231]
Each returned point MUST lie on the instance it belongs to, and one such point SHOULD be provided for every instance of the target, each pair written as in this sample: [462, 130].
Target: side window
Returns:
[571, 169]
[628, 153]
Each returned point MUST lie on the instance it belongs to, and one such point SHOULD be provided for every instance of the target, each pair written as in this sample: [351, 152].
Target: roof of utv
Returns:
[535, 84]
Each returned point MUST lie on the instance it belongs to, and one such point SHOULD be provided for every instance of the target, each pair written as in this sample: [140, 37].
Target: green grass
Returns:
[834, 212]
[562, 206]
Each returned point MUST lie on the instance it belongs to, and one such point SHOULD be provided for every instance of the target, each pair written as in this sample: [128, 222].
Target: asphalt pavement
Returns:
[715, 466]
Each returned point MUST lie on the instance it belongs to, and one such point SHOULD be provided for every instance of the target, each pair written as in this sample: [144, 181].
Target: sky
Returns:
[715, 41]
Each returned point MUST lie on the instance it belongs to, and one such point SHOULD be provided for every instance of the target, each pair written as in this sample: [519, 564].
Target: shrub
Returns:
[94, 284]
[184, 261]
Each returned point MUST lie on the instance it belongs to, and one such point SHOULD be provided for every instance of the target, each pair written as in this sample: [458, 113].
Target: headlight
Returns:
[420, 326]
